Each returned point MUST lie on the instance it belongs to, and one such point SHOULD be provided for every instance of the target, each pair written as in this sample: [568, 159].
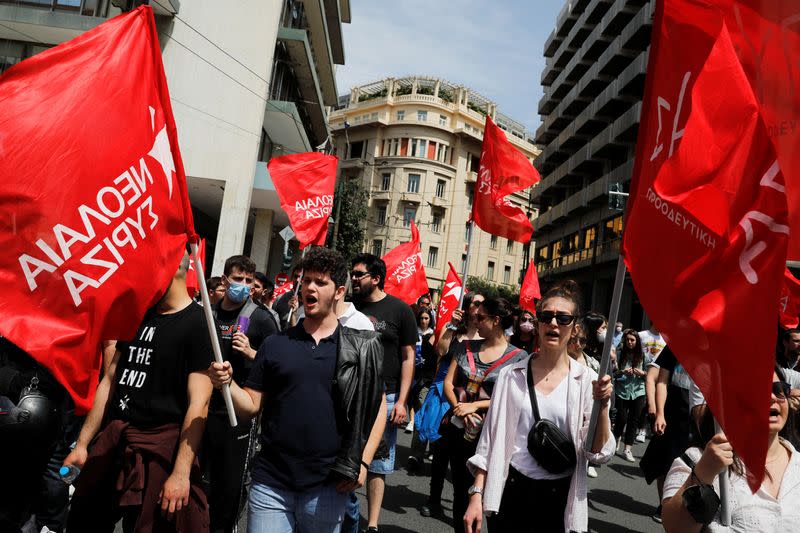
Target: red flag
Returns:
[192, 286]
[305, 184]
[707, 200]
[405, 276]
[766, 37]
[283, 289]
[503, 171]
[451, 296]
[530, 289]
[789, 307]
[95, 210]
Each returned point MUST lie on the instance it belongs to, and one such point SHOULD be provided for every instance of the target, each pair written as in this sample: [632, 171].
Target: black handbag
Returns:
[553, 450]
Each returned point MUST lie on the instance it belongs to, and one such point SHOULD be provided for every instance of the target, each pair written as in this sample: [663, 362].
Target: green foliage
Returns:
[475, 108]
[352, 213]
[402, 90]
[493, 290]
[445, 95]
[371, 96]
[425, 90]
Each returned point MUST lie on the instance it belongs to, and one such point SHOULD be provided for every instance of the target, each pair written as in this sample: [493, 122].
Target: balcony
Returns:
[50, 21]
[381, 196]
[438, 201]
[411, 197]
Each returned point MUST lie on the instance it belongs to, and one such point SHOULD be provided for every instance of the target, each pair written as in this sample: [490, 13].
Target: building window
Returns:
[506, 274]
[440, 184]
[542, 254]
[470, 196]
[493, 242]
[413, 183]
[422, 116]
[401, 115]
[381, 216]
[490, 271]
[463, 262]
[393, 146]
[356, 150]
[436, 224]
[409, 214]
[373, 116]
[509, 246]
[443, 120]
[589, 237]
[466, 232]
[441, 154]
[386, 182]
[377, 247]
[433, 254]
[418, 147]
[613, 229]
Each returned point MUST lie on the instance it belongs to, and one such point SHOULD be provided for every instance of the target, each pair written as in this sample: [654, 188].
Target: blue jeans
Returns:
[385, 465]
[315, 510]
[352, 514]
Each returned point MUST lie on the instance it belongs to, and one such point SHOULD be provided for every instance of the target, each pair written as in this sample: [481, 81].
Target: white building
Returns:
[249, 80]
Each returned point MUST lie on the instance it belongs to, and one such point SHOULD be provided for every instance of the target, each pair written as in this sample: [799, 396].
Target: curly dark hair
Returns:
[325, 261]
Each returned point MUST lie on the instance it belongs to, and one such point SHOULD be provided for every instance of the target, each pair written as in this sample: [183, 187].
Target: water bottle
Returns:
[68, 473]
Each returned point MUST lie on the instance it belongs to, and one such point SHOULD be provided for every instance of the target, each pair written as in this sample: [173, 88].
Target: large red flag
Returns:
[305, 184]
[95, 210]
[451, 296]
[405, 276]
[503, 171]
[192, 285]
[789, 306]
[707, 201]
[530, 289]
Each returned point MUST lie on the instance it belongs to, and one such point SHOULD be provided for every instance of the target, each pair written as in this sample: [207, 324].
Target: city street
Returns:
[619, 499]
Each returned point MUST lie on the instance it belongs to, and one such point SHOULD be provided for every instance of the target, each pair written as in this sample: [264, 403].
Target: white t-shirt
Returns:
[652, 344]
[353, 318]
[552, 407]
[750, 513]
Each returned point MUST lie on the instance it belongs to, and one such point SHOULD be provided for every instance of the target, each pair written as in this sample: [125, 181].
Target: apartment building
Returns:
[415, 145]
[593, 82]
[249, 80]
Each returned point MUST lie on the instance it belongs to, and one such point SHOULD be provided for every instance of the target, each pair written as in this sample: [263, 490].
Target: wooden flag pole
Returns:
[466, 264]
[212, 331]
[605, 361]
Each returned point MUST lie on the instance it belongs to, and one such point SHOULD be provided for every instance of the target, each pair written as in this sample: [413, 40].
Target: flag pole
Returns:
[466, 264]
[605, 361]
[212, 327]
[296, 288]
[724, 500]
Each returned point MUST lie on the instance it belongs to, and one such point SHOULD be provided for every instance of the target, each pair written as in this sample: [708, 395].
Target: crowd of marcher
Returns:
[322, 378]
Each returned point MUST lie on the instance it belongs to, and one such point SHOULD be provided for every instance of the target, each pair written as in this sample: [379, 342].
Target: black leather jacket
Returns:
[358, 387]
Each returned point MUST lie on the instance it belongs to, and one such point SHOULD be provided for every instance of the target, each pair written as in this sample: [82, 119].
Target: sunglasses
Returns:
[781, 390]
[562, 319]
[481, 317]
[358, 274]
[476, 303]
[523, 320]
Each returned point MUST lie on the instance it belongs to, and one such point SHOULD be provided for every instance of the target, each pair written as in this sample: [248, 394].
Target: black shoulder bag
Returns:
[553, 450]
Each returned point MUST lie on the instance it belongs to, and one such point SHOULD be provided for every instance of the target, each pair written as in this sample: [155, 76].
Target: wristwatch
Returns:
[474, 490]
[451, 326]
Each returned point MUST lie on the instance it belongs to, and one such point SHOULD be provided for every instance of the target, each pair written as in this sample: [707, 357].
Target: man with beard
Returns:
[318, 386]
[791, 349]
[395, 322]
[154, 397]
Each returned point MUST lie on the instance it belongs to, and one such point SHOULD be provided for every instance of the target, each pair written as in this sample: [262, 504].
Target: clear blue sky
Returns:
[492, 46]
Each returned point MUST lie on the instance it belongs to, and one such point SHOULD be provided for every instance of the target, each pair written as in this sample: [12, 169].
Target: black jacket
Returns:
[357, 388]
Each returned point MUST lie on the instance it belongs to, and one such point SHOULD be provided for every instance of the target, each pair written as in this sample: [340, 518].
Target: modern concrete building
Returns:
[415, 144]
[248, 80]
[596, 58]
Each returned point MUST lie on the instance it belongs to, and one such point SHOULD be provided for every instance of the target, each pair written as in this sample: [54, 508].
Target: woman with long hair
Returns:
[629, 389]
[690, 502]
[514, 466]
[524, 335]
[424, 372]
[468, 387]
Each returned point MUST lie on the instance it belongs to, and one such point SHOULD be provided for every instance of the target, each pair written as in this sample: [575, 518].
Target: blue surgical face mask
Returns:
[238, 292]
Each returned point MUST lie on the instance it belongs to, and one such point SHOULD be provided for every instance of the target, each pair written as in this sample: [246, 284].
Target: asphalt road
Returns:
[619, 499]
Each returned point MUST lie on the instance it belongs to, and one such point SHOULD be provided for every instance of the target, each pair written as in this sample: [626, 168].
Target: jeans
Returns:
[276, 510]
[385, 465]
[352, 514]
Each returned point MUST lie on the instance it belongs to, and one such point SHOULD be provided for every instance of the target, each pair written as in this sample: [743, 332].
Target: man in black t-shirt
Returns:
[395, 322]
[318, 387]
[154, 397]
[242, 327]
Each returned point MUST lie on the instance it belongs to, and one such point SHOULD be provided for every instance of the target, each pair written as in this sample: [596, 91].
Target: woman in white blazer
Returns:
[510, 485]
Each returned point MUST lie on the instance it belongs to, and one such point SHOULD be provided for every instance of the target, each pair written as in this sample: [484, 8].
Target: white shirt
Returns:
[552, 407]
[353, 318]
[652, 344]
[750, 513]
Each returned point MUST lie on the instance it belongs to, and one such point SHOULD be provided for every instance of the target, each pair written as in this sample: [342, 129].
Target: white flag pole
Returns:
[466, 264]
[212, 330]
[296, 288]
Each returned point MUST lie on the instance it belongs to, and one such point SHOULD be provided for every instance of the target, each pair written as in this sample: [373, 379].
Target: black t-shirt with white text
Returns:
[395, 321]
[153, 369]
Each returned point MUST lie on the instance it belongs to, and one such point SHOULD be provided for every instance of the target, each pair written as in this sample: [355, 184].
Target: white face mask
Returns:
[601, 336]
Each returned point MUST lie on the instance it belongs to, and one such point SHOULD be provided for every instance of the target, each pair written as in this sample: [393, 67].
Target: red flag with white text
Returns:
[405, 275]
[504, 170]
[451, 296]
[530, 289]
[282, 289]
[305, 184]
[192, 285]
[95, 212]
[707, 229]
[789, 306]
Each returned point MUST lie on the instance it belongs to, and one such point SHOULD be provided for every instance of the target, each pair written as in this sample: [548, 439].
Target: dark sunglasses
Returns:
[562, 319]
[358, 274]
[476, 303]
[481, 317]
[781, 390]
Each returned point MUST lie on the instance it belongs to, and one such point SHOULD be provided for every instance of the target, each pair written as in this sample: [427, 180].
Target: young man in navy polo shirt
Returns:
[320, 388]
